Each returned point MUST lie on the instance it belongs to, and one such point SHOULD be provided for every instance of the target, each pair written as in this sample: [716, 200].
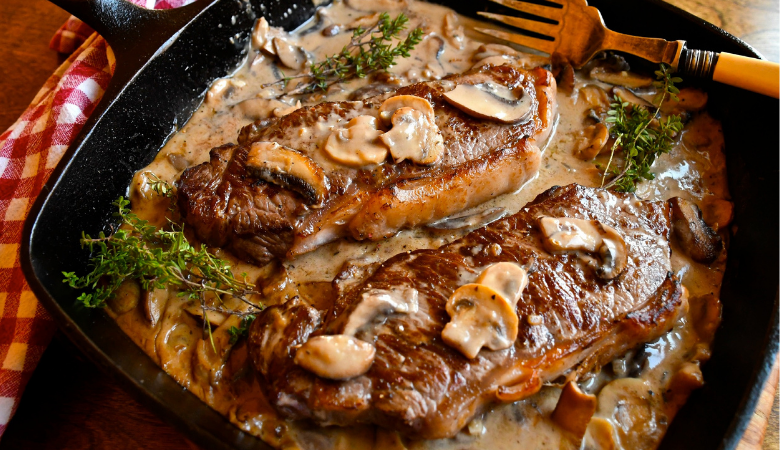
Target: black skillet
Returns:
[166, 61]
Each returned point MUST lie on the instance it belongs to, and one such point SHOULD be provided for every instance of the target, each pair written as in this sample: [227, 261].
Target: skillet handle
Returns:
[134, 33]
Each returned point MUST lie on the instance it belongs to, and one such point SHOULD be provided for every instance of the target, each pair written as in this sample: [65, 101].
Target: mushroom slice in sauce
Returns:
[621, 78]
[356, 145]
[288, 168]
[393, 104]
[378, 302]
[289, 55]
[590, 236]
[480, 317]
[507, 278]
[491, 101]
[574, 410]
[414, 136]
[336, 357]
[695, 237]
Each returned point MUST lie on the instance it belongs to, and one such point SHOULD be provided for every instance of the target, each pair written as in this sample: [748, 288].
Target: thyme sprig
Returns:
[156, 258]
[242, 330]
[639, 136]
[368, 51]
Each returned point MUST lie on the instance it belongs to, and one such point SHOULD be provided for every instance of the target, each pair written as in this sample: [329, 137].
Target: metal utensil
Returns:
[578, 33]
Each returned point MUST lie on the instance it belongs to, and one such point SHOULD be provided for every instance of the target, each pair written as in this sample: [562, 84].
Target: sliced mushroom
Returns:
[453, 30]
[491, 101]
[126, 297]
[718, 213]
[630, 97]
[469, 219]
[689, 100]
[288, 168]
[380, 302]
[154, 302]
[289, 55]
[506, 278]
[590, 236]
[480, 317]
[600, 435]
[596, 97]
[694, 236]
[393, 104]
[282, 111]
[621, 78]
[414, 136]
[336, 357]
[260, 33]
[591, 142]
[574, 410]
[685, 381]
[356, 145]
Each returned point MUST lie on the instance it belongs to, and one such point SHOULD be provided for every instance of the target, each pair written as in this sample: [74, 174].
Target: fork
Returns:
[579, 33]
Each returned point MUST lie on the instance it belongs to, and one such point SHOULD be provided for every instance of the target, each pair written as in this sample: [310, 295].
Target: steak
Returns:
[426, 389]
[228, 205]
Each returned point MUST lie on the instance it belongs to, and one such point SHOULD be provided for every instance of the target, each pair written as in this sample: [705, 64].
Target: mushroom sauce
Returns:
[638, 394]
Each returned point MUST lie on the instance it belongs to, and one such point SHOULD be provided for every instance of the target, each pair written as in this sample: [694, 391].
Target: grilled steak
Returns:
[229, 205]
[571, 320]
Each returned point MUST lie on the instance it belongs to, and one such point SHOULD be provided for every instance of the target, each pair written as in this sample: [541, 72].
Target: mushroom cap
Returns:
[414, 136]
[491, 101]
[506, 278]
[392, 104]
[288, 168]
[356, 145]
[480, 317]
[336, 357]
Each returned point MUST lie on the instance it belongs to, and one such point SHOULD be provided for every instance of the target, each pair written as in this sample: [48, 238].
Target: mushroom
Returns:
[414, 136]
[260, 34]
[600, 435]
[693, 234]
[689, 100]
[591, 141]
[453, 31]
[685, 381]
[288, 168]
[126, 297]
[154, 302]
[506, 278]
[574, 410]
[336, 357]
[480, 317]
[491, 101]
[590, 236]
[630, 97]
[289, 55]
[596, 97]
[356, 145]
[717, 212]
[378, 302]
[621, 78]
[393, 104]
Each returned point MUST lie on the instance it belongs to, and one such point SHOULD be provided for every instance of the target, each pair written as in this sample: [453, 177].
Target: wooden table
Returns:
[69, 404]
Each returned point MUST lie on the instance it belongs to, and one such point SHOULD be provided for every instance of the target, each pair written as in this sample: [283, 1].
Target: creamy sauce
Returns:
[637, 395]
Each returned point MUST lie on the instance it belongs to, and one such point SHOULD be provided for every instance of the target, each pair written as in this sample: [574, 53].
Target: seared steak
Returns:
[481, 159]
[571, 320]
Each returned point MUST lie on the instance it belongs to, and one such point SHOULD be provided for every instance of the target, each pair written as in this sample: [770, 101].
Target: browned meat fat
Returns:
[225, 202]
[571, 321]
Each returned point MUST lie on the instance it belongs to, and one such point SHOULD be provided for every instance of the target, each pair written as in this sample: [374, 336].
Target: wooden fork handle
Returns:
[755, 75]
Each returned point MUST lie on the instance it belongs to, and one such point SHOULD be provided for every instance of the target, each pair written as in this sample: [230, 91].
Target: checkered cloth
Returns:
[29, 151]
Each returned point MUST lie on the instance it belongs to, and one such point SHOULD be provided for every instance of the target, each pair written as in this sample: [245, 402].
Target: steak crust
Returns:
[425, 389]
[481, 159]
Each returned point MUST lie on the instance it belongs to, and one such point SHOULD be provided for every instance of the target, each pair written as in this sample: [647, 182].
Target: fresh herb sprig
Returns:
[156, 258]
[368, 51]
[242, 330]
[639, 136]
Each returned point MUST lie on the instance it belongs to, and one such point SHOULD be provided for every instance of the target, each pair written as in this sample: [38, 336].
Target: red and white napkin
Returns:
[29, 151]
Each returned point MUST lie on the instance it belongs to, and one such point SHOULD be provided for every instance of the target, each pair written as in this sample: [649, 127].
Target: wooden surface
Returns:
[69, 404]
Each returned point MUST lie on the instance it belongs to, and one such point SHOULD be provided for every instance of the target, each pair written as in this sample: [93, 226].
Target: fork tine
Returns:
[549, 12]
[526, 41]
[525, 24]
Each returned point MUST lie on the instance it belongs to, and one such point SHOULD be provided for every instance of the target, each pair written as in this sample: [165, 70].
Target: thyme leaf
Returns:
[156, 258]
[368, 51]
[639, 136]
[242, 330]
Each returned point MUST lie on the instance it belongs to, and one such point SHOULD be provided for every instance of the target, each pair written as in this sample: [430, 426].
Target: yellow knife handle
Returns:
[753, 74]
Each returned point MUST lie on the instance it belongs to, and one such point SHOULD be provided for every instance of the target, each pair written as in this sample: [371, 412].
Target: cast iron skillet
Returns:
[166, 61]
